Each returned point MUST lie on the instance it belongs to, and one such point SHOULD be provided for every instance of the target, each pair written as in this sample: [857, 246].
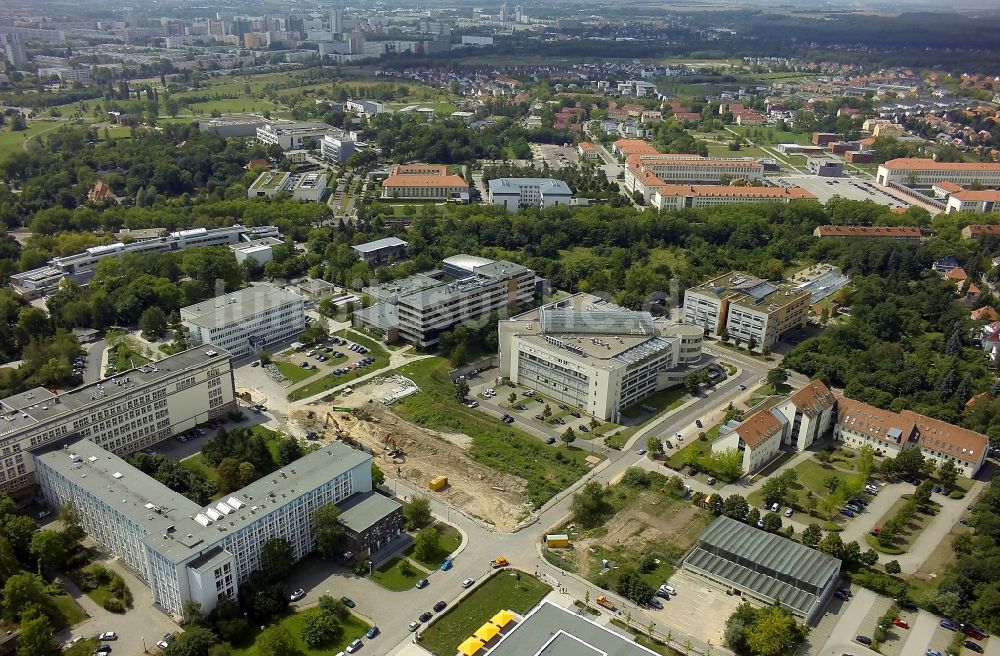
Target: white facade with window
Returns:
[246, 321]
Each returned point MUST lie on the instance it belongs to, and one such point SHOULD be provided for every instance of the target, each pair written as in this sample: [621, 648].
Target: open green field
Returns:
[547, 469]
[767, 136]
[292, 622]
[391, 577]
[241, 105]
[12, 142]
[501, 592]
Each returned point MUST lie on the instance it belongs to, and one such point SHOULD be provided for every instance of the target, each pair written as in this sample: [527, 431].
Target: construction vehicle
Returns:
[607, 603]
[499, 562]
[437, 483]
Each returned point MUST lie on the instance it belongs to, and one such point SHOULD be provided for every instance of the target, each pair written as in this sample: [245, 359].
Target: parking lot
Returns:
[850, 188]
[556, 156]
[337, 356]
[699, 609]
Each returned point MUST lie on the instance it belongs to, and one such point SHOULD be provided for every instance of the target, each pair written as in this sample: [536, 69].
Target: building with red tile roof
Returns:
[869, 232]
[423, 181]
[675, 197]
[979, 230]
[757, 438]
[920, 171]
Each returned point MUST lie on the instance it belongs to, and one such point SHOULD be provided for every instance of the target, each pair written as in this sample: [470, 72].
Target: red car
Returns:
[903, 624]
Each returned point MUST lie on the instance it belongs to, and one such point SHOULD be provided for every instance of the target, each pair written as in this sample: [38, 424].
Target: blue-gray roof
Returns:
[379, 244]
[513, 185]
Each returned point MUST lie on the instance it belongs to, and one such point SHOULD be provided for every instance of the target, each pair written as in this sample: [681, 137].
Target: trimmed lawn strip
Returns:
[547, 469]
[292, 371]
[664, 401]
[500, 592]
[390, 577]
[71, 611]
[292, 622]
[693, 452]
[909, 534]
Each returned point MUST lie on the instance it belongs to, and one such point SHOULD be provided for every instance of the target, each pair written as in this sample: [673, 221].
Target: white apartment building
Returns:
[123, 413]
[80, 267]
[915, 171]
[594, 355]
[809, 413]
[292, 136]
[757, 438]
[418, 309]
[247, 321]
[366, 107]
[747, 308]
[301, 186]
[676, 197]
[515, 193]
[186, 552]
[336, 148]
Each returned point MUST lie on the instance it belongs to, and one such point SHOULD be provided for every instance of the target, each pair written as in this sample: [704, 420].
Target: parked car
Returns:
[347, 601]
[863, 639]
[847, 512]
[507, 419]
[641, 452]
[167, 639]
[907, 605]
[710, 480]
[973, 646]
[103, 650]
[372, 632]
[668, 444]
[425, 616]
[298, 594]
[422, 583]
[521, 406]
[743, 387]
[440, 606]
[669, 589]
[948, 624]
[901, 623]
[550, 440]
[472, 404]
[654, 603]
[413, 626]
[662, 594]
[975, 632]
[446, 565]
[354, 646]
[775, 507]
[108, 636]
[467, 583]
[839, 594]
[43, 514]
[583, 428]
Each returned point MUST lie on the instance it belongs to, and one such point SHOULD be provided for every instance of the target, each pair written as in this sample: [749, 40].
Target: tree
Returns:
[832, 544]
[631, 586]
[947, 474]
[153, 322]
[547, 411]
[588, 505]
[909, 462]
[775, 490]
[772, 522]
[568, 436]
[654, 446]
[49, 548]
[892, 567]
[777, 377]
[36, 634]
[869, 558]
[922, 495]
[277, 558]
[228, 475]
[812, 535]
[726, 465]
[22, 591]
[194, 641]
[328, 530]
[426, 544]
[736, 507]
[417, 513]
[773, 632]
[289, 450]
[378, 476]
[461, 390]
[715, 504]
[276, 641]
[248, 473]
[20, 530]
[316, 333]
[192, 613]
[320, 628]
[694, 380]
[512, 399]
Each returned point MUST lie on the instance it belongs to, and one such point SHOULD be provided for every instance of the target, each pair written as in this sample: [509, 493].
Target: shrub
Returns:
[114, 605]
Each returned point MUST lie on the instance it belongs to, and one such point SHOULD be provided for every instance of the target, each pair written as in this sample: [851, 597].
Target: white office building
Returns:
[419, 308]
[126, 412]
[80, 267]
[596, 356]
[247, 321]
[260, 251]
[186, 552]
[515, 193]
[336, 148]
[292, 136]
[301, 186]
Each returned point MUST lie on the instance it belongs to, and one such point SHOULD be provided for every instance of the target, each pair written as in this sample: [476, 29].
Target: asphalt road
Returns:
[92, 372]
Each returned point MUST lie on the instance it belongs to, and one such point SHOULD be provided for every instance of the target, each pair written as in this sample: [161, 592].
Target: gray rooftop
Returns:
[384, 315]
[379, 244]
[16, 413]
[769, 564]
[465, 262]
[513, 185]
[362, 511]
[549, 630]
[237, 305]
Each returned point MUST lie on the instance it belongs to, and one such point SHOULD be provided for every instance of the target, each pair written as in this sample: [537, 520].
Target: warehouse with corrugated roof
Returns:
[764, 567]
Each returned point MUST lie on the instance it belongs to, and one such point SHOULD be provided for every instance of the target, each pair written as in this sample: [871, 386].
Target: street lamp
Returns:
[144, 645]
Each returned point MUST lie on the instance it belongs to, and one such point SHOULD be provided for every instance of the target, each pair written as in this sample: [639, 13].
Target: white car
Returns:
[775, 506]
[167, 639]
[467, 583]
[354, 646]
[110, 635]
[298, 594]
[669, 589]
[788, 513]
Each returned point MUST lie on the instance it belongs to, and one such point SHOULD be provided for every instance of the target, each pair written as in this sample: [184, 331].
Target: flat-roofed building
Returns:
[595, 355]
[247, 321]
[765, 568]
[260, 251]
[821, 166]
[745, 307]
[382, 251]
[515, 193]
[906, 233]
[675, 197]
[336, 148]
[423, 306]
[301, 186]
[122, 413]
[293, 136]
[423, 181]
[917, 171]
[186, 552]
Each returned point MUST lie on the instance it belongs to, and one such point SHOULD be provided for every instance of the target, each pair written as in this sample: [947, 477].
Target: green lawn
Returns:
[390, 577]
[449, 540]
[292, 622]
[767, 136]
[693, 452]
[664, 401]
[501, 592]
[69, 609]
[547, 469]
[330, 381]
[292, 371]
[912, 530]
[10, 142]
[197, 464]
[82, 648]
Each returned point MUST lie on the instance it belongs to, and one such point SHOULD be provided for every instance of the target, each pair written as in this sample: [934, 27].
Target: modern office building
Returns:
[186, 552]
[419, 308]
[424, 181]
[292, 136]
[80, 267]
[914, 171]
[380, 251]
[301, 186]
[905, 233]
[123, 413]
[247, 321]
[821, 166]
[336, 148]
[260, 251]
[515, 193]
[764, 567]
[744, 307]
[676, 197]
[595, 355]
[366, 107]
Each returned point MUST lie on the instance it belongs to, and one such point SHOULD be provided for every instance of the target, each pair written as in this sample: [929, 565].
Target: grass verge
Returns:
[391, 575]
[292, 622]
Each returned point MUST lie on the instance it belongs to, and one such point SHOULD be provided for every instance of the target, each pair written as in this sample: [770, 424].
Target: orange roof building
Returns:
[984, 201]
[587, 150]
[919, 171]
[647, 172]
[980, 230]
[758, 438]
[675, 197]
[868, 232]
[100, 193]
[423, 181]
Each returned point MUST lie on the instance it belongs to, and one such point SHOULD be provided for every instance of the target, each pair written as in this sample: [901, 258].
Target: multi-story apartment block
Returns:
[418, 309]
[247, 321]
[515, 193]
[757, 438]
[80, 267]
[292, 136]
[915, 171]
[646, 173]
[186, 552]
[808, 414]
[424, 181]
[675, 197]
[744, 307]
[596, 356]
[336, 148]
[124, 413]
